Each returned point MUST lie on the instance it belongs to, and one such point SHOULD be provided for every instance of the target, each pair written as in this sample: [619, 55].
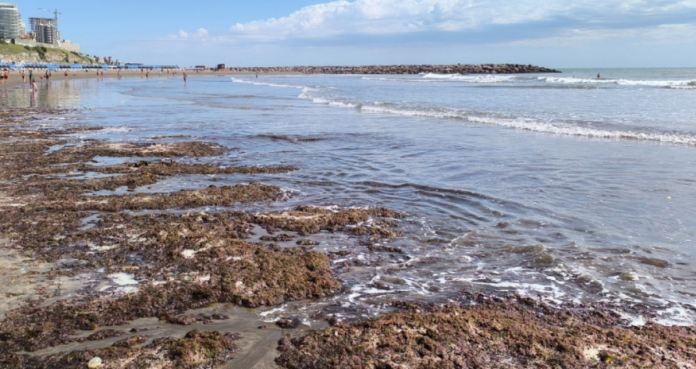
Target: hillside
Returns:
[18, 53]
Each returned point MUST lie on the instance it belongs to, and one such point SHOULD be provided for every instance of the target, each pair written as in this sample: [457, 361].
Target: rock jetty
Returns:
[403, 69]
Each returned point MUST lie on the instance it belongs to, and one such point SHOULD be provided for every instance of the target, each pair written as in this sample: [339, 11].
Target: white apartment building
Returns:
[11, 24]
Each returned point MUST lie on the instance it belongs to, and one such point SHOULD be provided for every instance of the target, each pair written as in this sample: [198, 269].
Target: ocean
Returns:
[564, 187]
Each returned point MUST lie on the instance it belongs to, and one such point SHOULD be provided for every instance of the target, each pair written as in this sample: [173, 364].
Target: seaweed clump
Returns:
[124, 149]
[196, 350]
[493, 333]
[378, 223]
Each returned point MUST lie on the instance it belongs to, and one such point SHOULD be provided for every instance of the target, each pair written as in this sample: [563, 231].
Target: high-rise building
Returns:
[11, 24]
[45, 30]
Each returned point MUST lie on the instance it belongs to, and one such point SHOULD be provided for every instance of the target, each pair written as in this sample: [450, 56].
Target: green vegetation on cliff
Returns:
[19, 53]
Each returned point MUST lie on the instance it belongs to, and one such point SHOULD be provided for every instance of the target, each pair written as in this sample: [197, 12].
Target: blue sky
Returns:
[553, 33]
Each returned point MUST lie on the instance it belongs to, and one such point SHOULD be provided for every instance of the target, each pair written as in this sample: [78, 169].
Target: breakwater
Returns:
[403, 69]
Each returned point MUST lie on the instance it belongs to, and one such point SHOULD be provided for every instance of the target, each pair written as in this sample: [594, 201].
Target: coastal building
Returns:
[11, 24]
[45, 30]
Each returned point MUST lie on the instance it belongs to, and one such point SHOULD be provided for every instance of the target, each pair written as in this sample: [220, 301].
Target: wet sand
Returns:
[16, 78]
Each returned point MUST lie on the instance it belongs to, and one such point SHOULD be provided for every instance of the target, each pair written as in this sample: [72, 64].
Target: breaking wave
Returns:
[319, 96]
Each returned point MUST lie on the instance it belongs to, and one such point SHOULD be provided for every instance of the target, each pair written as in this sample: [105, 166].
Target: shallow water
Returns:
[563, 186]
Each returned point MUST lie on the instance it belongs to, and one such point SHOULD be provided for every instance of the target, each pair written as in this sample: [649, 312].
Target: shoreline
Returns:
[464, 69]
[16, 79]
[183, 284]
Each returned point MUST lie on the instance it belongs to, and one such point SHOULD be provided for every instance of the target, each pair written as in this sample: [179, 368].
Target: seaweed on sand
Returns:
[306, 220]
[493, 333]
[196, 350]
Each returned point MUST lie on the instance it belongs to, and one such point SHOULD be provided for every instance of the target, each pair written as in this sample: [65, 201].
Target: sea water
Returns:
[563, 186]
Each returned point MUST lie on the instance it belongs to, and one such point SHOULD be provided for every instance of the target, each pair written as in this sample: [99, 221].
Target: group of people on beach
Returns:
[47, 75]
[4, 76]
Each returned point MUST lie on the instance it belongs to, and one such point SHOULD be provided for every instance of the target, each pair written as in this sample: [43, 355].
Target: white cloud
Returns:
[662, 34]
[198, 35]
[388, 17]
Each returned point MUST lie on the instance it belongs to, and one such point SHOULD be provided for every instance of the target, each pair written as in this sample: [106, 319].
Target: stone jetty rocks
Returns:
[404, 69]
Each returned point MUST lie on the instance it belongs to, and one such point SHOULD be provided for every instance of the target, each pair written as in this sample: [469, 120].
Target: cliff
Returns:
[23, 54]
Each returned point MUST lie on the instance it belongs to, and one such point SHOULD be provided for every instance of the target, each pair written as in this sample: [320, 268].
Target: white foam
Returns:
[429, 113]
[676, 316]
[687, 84]
[479, 78]
[256, 83]
[440, 76]
[123, 279]
[272, 311]
[188, 254]
[532, 125]
[115, 129]
[96, 248]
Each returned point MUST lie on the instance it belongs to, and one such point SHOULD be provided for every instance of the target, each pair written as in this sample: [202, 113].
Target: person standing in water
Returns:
[598, 76]
[185, 76]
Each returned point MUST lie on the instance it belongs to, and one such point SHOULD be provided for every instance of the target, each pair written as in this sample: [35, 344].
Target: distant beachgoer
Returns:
[24, 76]
[66, 74]
[257, 75]
[598, 76]
[33, 85]
[147, 75]
[31, 75]
[185, 77]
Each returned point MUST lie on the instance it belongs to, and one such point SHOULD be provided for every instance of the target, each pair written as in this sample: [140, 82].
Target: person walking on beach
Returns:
[33, 85]
[31, 75]
[24, 76]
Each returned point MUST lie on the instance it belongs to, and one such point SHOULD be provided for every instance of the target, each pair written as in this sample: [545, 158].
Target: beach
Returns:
[16, 78]
[232, 223]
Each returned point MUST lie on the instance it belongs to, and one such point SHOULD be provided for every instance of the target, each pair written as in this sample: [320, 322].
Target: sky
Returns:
[550, 33]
